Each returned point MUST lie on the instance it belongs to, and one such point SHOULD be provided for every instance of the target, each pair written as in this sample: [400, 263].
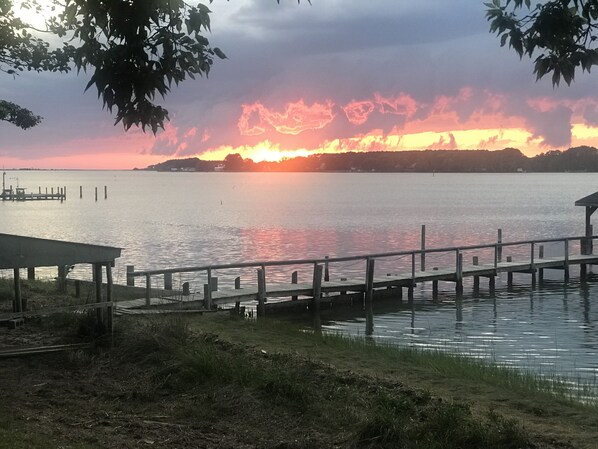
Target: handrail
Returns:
[412, 253]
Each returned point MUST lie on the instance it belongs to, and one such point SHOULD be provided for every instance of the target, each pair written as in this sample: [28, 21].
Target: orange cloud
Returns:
[296, 118]
[357, 112]
[399, 105]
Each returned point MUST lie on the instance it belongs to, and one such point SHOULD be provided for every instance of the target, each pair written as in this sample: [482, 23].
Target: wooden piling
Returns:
[423, 249]
[238, 303]
[326, 270]
[18, 300]
[110, 300]
[96, 193]
[80, 191]
[261, 295]
[186, 289]
[566, 264]
[294, 280]
[476, 279]
[31, 273]
[97, 268]
[369, 296]
[105, 192]
[167, 281]
[148, 288]
[434, 290]
[459, 273]
[130, 277]
[316, 289]
[62, 278]
[77, 288]
[499, 246]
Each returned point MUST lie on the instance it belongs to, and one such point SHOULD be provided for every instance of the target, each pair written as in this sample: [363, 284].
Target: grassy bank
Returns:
[215, 381]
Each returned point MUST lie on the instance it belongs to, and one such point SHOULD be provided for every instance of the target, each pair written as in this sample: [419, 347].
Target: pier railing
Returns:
[495, 251]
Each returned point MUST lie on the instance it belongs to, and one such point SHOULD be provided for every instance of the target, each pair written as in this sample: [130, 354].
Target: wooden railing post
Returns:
[533, 264]
[317, 294]
[566, 267]
[207, 291]
[326, 270]
[261, 292]
[499, 246]
[148, 288]
[167, 281]
[294, 280]
[130, 277]
[423, 249]
[369, 296]
[459, 272]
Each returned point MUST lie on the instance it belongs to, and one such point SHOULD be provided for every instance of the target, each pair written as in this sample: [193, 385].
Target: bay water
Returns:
[165, 220]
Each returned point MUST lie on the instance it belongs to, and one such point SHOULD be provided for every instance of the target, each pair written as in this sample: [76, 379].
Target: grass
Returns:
[343, 406]
[175, 381]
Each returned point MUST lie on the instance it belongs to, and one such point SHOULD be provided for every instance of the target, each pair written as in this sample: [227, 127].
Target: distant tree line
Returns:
[581, 158]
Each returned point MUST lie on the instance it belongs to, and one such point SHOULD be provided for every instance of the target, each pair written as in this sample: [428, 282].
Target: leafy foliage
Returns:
[15, 114]
[562, 32]
[133, 49]
[137, 49]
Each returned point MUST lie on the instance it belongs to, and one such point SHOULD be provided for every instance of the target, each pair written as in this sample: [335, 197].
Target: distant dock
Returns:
[19, 194]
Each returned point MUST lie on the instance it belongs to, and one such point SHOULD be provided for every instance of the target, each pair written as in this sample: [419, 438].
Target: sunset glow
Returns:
[300, 95]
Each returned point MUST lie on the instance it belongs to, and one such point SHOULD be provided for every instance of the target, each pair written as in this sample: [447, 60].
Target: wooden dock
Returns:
[487, 262]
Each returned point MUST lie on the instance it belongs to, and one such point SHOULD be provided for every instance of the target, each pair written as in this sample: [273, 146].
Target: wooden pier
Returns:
[483, 262]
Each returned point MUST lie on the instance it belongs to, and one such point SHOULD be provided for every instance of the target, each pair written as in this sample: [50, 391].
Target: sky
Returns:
[333, 76]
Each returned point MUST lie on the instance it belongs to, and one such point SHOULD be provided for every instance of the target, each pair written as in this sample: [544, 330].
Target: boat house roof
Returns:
[24, 252]
[588, 201]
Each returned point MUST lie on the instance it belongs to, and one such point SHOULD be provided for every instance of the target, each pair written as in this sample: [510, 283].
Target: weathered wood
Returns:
[62, 278]
[186, 289]
[105, 192]
[18, 300]
[369, 296]
[238, 303]
[261, 298]
[423, 249]
[97, 268]
[77, 288]
[294, 280]
[31, 273]
[317, 294]
[327, 269]
[207, 292]
[459, 273]
[110, 300]
[476, 278]
[167, 281]
[148, 289]
[499, 246]
[434, 290]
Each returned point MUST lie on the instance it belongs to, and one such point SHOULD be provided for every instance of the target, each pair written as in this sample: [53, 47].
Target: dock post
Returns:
[317, 294]
[533, 265]
[369, 296]
[566, 261]
[410, 292]
[96, 193]
[52, 190]
[459, 272]
[130, 277]
[261, 292]
[80, 191]
[476, 279]
[491, 284]
[400, 293]
[167, 281]
[31, 273]
[110, 300]
[423, 249]
[499, 246]
[294, 280]
[541, 270]
[39, 190]
[17, 305]
[77, 288]
[435, 290]
[207, 291]
[62, 278]
[238, 303]
[97, 269]
[186, 289]
[509, 274]
[105, 192]
[326, 270]
[148, 288]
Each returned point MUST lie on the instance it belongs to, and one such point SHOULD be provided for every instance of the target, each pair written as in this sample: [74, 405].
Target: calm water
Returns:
[180, 219]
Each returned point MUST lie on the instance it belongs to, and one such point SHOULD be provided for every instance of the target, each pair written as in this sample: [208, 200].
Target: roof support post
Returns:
[18, 301]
